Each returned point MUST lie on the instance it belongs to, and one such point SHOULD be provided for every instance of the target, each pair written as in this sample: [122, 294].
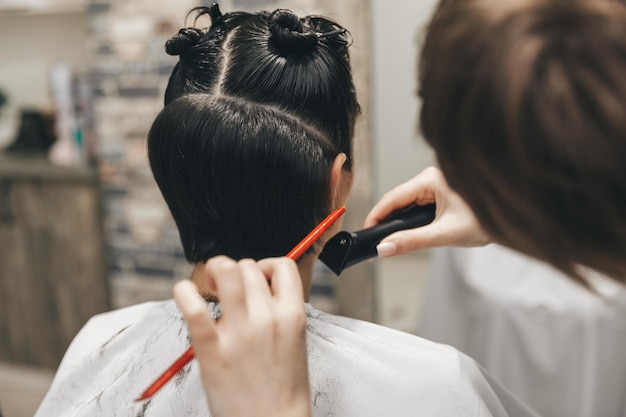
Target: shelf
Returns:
[40, 169]
[7, 11]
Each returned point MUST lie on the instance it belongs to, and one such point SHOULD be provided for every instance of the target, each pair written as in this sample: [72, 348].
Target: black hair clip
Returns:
[215, 13]
[320, 35]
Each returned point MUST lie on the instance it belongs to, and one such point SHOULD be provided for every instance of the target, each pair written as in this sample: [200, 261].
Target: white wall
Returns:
[398, 153]
[30, 43]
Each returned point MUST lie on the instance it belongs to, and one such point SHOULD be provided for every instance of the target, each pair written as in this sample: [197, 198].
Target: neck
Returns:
[305, 267]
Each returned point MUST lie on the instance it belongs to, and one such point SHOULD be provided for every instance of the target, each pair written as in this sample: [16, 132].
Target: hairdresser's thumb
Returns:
[406, 241]
[387, 249]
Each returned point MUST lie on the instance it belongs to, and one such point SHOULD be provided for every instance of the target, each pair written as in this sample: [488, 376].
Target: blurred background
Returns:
[83, 228]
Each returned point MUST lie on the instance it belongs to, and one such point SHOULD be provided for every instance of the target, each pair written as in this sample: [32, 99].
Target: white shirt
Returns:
[557, 346]
[357, 369]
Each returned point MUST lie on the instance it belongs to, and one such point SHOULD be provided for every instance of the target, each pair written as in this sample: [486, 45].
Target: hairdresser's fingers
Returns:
[288, 298]
[289, 312]
[454, 225]
[262, 357]
[431, 236]
[199, 321]
[420, 190]
[258, 294]
[227, 277]
[285, 280]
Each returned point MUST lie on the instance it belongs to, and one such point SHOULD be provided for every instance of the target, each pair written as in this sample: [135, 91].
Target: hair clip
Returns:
[215, 13]
[331, 33]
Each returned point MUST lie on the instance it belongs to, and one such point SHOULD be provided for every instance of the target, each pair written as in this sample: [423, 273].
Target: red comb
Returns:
[294, 254]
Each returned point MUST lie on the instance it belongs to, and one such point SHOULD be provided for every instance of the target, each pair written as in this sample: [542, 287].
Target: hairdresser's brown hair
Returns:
[524, 102]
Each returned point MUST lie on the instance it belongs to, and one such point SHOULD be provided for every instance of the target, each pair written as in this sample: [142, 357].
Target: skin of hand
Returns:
[253, 360]
[454, 224]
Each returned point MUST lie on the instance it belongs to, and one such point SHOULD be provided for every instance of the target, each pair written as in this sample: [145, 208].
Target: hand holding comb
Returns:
[294, 254]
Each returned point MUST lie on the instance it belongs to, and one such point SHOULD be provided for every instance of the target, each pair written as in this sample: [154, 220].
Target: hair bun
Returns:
[183, 41]
[288, 32]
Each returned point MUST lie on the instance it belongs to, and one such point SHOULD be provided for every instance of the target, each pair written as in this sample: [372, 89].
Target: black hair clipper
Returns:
[349, 248]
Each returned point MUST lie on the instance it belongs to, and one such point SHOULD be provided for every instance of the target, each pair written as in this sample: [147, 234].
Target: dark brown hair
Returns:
[241, 179]
[299, 64]
[524, 103]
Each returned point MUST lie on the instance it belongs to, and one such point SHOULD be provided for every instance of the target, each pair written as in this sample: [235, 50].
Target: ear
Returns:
[340, 180]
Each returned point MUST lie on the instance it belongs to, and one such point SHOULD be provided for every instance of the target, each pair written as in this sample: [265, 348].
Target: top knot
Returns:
[185, 39]
[288, 32]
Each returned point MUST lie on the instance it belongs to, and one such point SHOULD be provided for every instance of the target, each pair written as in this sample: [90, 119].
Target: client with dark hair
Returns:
[247, 180]
[241, 179]
[297, 64]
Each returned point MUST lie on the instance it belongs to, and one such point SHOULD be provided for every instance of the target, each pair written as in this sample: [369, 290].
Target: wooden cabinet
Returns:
[52, 263]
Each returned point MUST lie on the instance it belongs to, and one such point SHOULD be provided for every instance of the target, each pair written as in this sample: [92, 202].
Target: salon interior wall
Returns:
[398, 152]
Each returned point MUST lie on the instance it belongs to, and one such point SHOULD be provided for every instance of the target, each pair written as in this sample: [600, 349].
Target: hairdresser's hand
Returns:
[454, 224]
[253, 360]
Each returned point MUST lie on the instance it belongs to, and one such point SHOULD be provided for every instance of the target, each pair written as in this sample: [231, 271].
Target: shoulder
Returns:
[115, 356]
[373, 334]
[128, 314]
[104, 327]
[389, 369]
[389, 346]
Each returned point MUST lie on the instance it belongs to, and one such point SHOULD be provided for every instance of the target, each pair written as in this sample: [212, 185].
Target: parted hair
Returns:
[241, 179]
[300, 65]
[524, 103]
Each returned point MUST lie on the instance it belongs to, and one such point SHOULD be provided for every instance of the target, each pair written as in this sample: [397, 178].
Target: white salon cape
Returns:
[357, 369]
[558, 347]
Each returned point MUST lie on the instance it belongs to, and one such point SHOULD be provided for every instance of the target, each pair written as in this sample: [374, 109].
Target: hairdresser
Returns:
[524, 103]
